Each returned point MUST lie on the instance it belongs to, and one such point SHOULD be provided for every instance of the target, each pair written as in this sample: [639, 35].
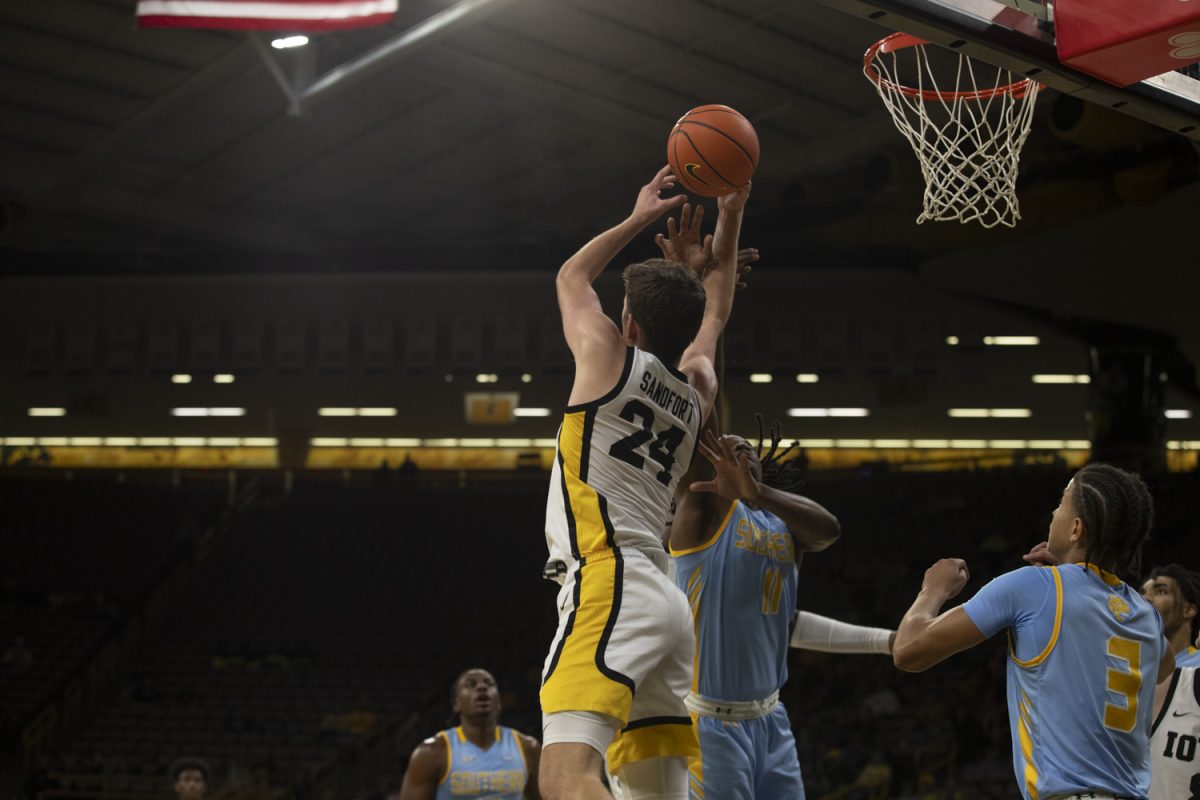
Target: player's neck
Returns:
[481, 733]
[1181, 639]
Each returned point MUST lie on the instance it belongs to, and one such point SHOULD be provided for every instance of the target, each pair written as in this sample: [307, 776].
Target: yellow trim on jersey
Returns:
[720, 532]
[591, 534]
[576, 683]
[449, 758]
[462, 737]
[520, 749]
[1023, 725]
[1058, 603]
[653, 741]
[696, 770]
[1102, 574]
[695, 585]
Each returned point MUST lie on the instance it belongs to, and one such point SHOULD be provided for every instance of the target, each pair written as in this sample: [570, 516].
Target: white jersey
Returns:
[619, 460]
[1174, 762]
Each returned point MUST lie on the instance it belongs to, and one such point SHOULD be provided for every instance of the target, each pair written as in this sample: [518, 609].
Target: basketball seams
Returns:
[728, 183]
[745, 152]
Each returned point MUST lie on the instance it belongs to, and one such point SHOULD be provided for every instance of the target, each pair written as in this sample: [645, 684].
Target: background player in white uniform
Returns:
[618, 668]
[1174, 737]
[1175, 591]
[478, 758]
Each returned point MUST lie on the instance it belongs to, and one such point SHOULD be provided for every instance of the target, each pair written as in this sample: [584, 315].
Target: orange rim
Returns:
[900, 41]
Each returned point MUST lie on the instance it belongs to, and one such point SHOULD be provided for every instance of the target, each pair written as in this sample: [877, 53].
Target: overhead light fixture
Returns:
[357, 412]
[224, 441]
[514, 443]
[1177, 413]
[53, 441]
[21, 441]
[761, 377]
[154, 441]
[47, 412]
[181, 378]
[377, 412]
[1011, 341]
[1045, 378]
[288, 42]
[337, 412]
[808, 377]
[188, 441]
[259, 441]
[531, 412]
[328, 441]
[487, 377]
[208, 412]
[952, 340]
[401, 442]
[223, 377]
[828, 412]
[366, 442]
[995, 413]
[526, 377]
[120, 441]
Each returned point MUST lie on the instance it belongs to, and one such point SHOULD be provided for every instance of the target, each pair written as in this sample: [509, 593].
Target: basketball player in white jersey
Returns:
[1174, 762]
[620, 663]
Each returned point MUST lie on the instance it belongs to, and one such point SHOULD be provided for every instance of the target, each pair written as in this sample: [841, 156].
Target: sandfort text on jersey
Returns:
[666, 398]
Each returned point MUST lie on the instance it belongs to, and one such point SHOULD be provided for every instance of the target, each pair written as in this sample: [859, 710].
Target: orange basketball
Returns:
[713, 150]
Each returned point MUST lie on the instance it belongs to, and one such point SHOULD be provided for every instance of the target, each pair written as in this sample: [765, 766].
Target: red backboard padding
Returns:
[1123, 42]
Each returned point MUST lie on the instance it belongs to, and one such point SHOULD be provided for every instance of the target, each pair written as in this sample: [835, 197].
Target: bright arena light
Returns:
[288, 42]
[1011, 341]
[1061, 378]
[1178, 413]
[761, 377]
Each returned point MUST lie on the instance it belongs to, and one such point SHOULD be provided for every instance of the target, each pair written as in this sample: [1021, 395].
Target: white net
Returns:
[967, 136]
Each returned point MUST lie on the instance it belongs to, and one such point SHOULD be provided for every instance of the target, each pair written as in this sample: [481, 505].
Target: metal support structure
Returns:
[998, 34]
[425, 33]
[276, 72]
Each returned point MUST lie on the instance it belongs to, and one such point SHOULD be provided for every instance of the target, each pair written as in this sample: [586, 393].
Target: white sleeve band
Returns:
[814, 632]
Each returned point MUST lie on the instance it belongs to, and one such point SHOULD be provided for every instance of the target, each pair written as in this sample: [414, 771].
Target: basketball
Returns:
[713, 150]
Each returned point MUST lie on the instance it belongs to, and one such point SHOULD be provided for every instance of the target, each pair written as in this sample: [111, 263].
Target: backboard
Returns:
[1019, 37]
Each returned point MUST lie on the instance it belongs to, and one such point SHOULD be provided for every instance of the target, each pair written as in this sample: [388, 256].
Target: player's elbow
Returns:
[910, 657]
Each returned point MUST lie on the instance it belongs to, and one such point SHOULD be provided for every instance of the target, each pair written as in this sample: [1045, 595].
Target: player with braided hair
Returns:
[1086, 650]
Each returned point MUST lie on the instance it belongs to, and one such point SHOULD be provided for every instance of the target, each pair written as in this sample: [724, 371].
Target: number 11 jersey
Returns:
[619, 459]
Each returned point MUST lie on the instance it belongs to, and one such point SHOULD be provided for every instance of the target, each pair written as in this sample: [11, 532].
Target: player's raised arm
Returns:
[810, 524]
[585, 324]
[719, 285]
[924, 637]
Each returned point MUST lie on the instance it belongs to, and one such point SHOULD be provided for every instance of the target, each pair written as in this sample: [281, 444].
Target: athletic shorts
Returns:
[624, 648]
[752, 759]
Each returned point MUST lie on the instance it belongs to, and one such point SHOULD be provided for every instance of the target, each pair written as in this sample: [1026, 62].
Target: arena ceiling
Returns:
[499, 144]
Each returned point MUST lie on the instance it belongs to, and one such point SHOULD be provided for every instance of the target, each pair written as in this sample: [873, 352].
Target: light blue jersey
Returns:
[497, 773]
[1084, 655]
[741, 586]
[1188, 658]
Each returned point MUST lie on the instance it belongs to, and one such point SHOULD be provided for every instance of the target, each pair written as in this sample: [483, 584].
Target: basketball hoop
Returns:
[967, 139]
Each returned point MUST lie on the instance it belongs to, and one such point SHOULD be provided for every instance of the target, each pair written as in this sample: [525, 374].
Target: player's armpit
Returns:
[583, 318]
[922, 642]
[1166, 667]
[426, 769]
[703, 378]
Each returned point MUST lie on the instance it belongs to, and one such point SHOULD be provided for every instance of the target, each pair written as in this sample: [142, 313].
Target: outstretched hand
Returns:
[735, 200]
[745, 257]
[734, 480]
[650, 204]
[683, 243]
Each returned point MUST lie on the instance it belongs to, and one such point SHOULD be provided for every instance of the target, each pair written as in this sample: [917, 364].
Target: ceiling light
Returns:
[259, 441]
[223, 377]
[181, 378]
[531, 412]
[816, 443]
[487, 377]
[1047, 444]
[855, 443]
[761, 377]
[808, 377]
[545, 443]
[188, 441]
[53, 441]
[514, 442]
[189, 412]
[952, 340]
[1062, 379]
[366, 442]
[968, 444]
[208, 412]
[886, 444]
[337, 412]
[828, 412]
[1178, 413]
[848, 412]
[227, 412]
[1012, 341]
[154, 441]
[995, 413]
[402, 442]
[526, 377]
[476, 442]
[20, 441]
[440, 442]
[288, 42]
[377, 412]
[931, 444]
[47, 412]
[327, 441]
[120, 441]
[1007, 444]
[224, 441]
[1078, 444]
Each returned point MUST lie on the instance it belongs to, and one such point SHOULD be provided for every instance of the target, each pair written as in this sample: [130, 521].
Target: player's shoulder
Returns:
[434, 744]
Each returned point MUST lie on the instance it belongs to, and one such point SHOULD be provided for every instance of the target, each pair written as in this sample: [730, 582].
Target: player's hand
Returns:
[1040, 556]
[651, 204]
[733, 481]
[683, 243]
[946, 578]
[735, 200]
[746, 257]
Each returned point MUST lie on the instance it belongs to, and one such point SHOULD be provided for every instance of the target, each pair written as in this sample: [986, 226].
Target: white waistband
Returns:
[1087, 796]
[729, 709]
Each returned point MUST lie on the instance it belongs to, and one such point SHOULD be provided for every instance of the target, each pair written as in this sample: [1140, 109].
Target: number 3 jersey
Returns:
[1084, 650]
[619, 460]
[1173, 752]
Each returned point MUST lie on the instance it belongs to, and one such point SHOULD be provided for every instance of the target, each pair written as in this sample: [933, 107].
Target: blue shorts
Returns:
[746, 760]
